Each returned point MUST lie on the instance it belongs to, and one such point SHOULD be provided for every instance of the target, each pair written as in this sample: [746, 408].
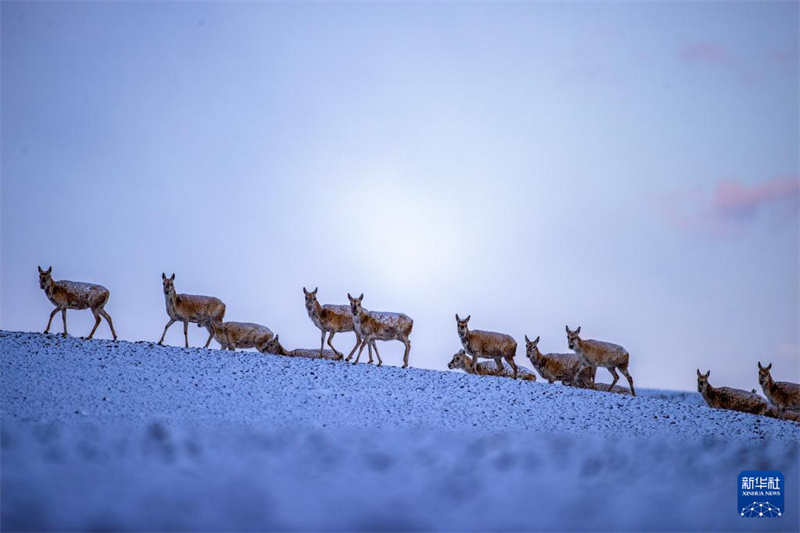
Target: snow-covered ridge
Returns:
[51, 377]
[98, 435]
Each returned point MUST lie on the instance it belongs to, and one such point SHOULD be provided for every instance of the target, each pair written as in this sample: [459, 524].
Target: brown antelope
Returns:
[784, 395]
[75, 295]
[487, 344]
[729, 398]
[461, 360]
[564, 367]
[598, 353]
[554, 366]
[380, 326]
[331, 319]
[232, 335]
[772, 412]
[200, 310]
[604, 387]
[275, 347]
[328, 355]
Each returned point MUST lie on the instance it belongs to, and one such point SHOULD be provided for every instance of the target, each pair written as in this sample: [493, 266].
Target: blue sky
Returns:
[631, 168]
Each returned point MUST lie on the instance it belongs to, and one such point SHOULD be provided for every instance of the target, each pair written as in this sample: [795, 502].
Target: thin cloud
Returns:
[717, 56]
[732, 204]
[707, 52]
[787, 57]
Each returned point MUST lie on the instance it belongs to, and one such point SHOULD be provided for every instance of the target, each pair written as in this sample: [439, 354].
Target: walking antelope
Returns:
[461, 360]
[200, 310]
[75, 295]
[232, 335]
[487, 344]
[380, 326]
[331, 319]
[598, 353]
[784, 395]
[729, 398]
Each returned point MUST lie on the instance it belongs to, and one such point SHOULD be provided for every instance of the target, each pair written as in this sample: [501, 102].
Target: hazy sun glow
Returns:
[406, 237]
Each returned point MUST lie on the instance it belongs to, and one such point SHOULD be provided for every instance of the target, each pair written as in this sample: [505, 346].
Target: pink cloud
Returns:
[734, 199]
[787, 61]
[707, 52]
[791, 57]
[732, 204]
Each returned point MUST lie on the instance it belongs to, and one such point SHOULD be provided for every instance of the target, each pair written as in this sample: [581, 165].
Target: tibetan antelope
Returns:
[772, 412]
[330, 319]
[784, 395]
[232, 335]
[598, 353]
[275, 347]
[380, 326]
[75, 295]
[729, 398]
[487, 344]
[555, 366]
[200, 310]
[461, 360]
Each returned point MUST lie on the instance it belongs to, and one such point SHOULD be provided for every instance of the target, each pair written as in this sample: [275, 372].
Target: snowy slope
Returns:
[102, 435]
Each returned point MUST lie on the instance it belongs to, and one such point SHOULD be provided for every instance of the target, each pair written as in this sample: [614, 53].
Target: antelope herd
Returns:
[576, 369]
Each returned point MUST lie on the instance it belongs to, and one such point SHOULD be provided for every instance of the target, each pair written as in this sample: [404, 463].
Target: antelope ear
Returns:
[467, 319]
[577, 331]
[759, 365]
[769, 366]
[305, 291]
[698, 372]
[708, 374]
[537, 340]
[49, 270]
[40, 269]
[315, 290]
[172, 278]
[349, 297]
[163, 276]
[457, 319]
[527, 340]
[361, 297]
[567, 328]
[277, 337]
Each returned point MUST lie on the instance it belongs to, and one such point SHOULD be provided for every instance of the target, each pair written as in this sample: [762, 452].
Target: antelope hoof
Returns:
[405, 366]
[64, 335]
[380, 364]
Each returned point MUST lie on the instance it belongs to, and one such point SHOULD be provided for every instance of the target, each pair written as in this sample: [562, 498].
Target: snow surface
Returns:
[98, 435]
